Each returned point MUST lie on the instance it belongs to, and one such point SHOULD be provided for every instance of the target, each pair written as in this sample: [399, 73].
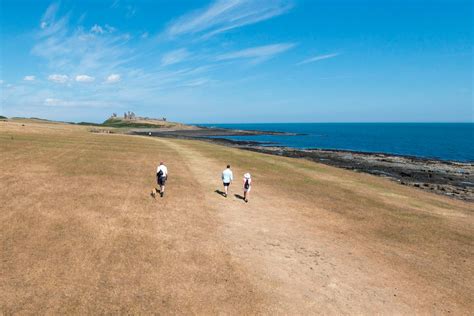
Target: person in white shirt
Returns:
[161, 177]
[247, 186]
[227, 178]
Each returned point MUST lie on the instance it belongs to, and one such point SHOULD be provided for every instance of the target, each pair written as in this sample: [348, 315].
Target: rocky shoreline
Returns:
[453, 179]
[447, 178]
[198, 131]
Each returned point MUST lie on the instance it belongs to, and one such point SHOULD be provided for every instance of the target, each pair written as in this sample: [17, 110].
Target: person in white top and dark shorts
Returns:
[227, 178]
[247, 186]
[161, 177]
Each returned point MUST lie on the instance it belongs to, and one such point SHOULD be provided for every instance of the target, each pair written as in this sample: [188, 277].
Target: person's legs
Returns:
[246, 194]
[155, 189]
[162, 186]
[226, 186]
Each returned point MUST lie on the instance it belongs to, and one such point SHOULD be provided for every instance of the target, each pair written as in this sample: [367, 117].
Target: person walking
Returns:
[247, 186]
[161, 177]
[227, 178]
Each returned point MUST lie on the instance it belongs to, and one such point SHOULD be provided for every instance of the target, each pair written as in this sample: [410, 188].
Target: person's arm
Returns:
[231, 176]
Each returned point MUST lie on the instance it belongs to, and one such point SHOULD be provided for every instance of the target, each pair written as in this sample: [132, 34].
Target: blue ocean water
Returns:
[444, 141]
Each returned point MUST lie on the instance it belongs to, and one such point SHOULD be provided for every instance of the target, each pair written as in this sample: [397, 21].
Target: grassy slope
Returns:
[119, 123]
[143, 123]
[112, 122]
[81, 234]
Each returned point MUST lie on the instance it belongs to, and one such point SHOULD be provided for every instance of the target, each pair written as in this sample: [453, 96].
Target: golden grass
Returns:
[80, 233]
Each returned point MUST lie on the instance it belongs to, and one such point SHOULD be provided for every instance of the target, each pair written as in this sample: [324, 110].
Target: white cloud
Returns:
[29, 78]
[113, 78]
[224, 15]
[49, 15]
[58, 78]
[258, 53]
[84, 78]
[174, 57]
[97, 29]
[317, 58]
[50, 24]
[53, 102]
[1, 81]
[72, 49]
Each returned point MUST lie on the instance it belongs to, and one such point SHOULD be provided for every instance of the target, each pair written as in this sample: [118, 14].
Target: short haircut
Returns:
[228, 166]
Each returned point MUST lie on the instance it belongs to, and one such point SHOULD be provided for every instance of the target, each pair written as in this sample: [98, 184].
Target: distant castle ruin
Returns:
[131, 116]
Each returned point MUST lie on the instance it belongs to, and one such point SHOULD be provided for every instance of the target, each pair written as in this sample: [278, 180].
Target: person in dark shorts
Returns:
[161, 177]
[247, 186]
[227, 178]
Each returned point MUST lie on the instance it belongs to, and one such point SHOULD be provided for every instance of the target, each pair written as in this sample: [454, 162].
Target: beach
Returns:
[82, 235]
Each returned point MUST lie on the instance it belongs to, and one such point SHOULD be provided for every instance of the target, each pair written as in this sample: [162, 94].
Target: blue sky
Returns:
[239, 60]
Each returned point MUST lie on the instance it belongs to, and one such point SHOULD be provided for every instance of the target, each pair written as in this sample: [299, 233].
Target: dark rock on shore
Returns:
[443, 177]
[205, 132]
[447, 178]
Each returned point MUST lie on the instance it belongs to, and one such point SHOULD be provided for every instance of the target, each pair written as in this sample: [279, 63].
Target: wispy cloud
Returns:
[29, 78]
[318, 58]
[130, 11]
[97, 29]
[84, 78]
[49, 15]
[197, 82]
[55, 102]
[174, 57]
[225, 15]
[58, 78]
[74, 49]
[113, 78]
[76, 52]
[257, 53]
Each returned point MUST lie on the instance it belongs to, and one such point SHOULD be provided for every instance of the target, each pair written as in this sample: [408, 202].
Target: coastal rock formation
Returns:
[453, 179]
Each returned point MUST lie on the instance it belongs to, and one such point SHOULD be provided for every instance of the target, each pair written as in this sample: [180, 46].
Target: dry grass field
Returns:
[80, 233]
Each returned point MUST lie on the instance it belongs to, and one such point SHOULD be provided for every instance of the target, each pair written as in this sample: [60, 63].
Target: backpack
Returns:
[160, 174]
[247, 184]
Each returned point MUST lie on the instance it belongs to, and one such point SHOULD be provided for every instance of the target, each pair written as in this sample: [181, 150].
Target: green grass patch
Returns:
[130, 124]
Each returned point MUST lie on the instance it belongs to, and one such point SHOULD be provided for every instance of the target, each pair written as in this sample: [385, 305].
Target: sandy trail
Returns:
[80, 233]
[303, 269]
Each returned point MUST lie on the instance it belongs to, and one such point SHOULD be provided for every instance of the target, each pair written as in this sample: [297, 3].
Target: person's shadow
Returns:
[220, 192]
[239, 196]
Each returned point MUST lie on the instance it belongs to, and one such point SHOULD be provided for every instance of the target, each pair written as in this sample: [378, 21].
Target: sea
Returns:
[441, 141]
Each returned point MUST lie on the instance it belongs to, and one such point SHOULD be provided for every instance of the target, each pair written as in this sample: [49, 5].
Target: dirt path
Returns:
[80, 233]
[303, 269]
